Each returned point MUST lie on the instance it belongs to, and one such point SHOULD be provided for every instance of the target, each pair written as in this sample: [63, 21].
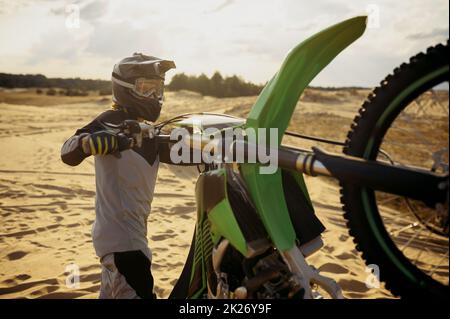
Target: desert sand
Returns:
[47, 207]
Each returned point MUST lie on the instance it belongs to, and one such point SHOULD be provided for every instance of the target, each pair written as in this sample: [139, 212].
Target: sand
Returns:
[47, 207]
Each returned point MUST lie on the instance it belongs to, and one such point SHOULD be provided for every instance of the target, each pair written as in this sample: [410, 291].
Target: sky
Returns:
[84, 38]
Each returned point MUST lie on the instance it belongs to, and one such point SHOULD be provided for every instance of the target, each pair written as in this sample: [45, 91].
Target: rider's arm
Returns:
[72, 150]
[164, 152]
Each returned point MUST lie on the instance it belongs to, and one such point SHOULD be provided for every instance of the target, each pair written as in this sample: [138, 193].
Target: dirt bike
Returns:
[254, 231]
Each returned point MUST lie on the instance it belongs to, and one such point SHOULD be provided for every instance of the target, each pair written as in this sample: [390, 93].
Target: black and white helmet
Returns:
[138, 85]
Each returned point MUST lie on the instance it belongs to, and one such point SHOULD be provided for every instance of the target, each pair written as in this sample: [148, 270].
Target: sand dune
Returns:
[47, 208]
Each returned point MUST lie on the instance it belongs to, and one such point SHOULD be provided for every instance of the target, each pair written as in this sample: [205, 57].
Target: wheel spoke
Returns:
[403, 248]
[410, 226]
[388, 200]
[436, 99]
[417, 133]
[421, 107]
[433, 270]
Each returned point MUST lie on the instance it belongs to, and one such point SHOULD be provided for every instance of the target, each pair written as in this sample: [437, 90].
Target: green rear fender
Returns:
[274, 109]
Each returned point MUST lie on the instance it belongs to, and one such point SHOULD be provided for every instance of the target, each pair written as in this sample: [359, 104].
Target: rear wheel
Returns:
[405, 122]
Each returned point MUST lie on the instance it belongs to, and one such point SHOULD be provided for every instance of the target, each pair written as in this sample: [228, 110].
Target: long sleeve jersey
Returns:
[124, 189]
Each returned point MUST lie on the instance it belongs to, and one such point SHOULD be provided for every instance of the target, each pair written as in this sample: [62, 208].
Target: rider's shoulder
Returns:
[111, 116]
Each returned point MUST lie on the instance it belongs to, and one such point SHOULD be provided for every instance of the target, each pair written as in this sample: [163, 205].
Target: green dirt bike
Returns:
[254, 231]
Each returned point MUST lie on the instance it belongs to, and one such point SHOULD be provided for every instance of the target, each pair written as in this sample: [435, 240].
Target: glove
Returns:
[103, 143]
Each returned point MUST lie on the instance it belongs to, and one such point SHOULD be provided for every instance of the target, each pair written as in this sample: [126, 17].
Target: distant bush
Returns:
[39, 91]
[107, 91]
[51, 92]
[76, 93]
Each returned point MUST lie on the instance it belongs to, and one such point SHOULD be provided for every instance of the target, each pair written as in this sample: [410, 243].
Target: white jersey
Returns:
[124, 189]
[124, 193]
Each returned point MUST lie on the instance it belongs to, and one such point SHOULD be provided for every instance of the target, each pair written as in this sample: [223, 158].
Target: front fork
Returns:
[305, 275]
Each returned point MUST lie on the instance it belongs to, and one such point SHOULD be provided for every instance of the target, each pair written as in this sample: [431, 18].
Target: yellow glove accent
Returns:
[99, 143]
[106, 146]
[91, 145]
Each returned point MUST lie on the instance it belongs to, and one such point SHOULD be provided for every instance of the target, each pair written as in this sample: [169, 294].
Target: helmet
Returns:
[138, 85]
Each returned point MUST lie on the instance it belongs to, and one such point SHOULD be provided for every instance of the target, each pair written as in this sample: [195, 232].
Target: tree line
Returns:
[216, 85]
[41, 81]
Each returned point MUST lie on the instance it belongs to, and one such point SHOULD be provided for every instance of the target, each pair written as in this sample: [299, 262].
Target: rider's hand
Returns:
[103, 143]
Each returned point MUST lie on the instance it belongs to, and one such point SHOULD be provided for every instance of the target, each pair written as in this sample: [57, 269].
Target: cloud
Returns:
[222, 6]
[12, 7]
[94, 10]
[90, 11]
[59, 45]
[120, 39]
[433, 34]
[249, 38]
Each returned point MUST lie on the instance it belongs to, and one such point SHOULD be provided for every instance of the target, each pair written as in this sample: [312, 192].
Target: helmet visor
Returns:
[148, 87]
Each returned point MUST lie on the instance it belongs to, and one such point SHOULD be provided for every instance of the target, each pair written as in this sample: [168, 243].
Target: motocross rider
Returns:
[124, 183]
